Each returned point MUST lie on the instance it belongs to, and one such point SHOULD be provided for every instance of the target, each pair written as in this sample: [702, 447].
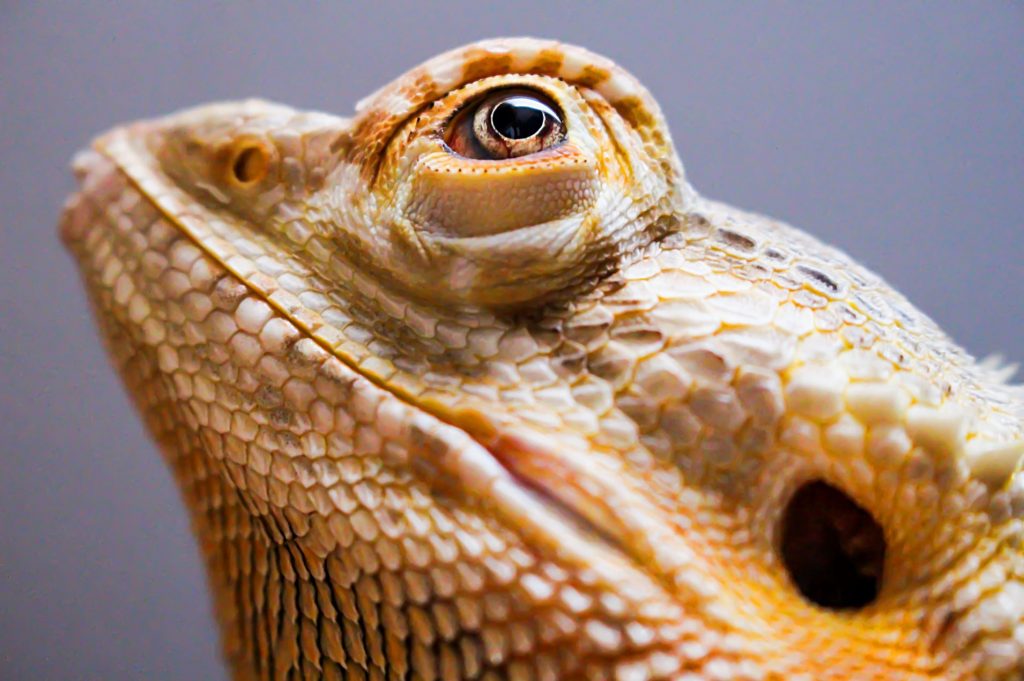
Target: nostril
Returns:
[832, 547]
[250, 164]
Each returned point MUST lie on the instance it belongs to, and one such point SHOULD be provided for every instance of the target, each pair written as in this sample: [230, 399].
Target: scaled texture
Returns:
[444, 414]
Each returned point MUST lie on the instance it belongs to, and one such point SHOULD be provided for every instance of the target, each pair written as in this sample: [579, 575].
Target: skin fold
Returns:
[546, 416]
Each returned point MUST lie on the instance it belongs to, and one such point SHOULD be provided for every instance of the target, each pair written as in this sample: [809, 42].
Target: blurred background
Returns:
[892, 131]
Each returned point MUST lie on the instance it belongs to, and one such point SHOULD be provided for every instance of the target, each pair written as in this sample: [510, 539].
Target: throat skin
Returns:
[243, 563]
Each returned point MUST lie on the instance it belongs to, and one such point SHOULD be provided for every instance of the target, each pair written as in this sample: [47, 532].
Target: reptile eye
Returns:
[506, 124]
[250, 163]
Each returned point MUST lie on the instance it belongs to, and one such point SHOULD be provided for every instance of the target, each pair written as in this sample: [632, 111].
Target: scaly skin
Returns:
[539, 417]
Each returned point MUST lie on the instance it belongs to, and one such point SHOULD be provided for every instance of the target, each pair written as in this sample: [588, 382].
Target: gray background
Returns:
[892, 131]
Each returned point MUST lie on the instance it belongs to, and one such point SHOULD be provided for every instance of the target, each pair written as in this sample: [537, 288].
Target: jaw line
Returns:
[527, 506]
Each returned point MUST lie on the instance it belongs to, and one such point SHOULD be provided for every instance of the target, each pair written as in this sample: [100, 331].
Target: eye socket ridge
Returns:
[505, 123]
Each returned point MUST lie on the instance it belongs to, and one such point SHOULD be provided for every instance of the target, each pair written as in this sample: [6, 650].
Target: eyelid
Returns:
[459, 197]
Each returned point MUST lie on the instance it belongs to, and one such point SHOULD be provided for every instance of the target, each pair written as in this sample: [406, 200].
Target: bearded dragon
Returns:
[475, 385]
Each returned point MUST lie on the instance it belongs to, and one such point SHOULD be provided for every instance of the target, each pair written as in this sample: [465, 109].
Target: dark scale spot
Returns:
[269, 397]
[833, 548]
[282, 418]
[736, 240]
[775, 254]
[819, 277]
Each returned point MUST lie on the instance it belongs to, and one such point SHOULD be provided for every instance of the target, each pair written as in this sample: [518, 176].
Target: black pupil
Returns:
[519, 118]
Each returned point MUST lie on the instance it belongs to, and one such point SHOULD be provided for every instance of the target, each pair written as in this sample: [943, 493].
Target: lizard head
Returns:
[489, 388]
[497, 175]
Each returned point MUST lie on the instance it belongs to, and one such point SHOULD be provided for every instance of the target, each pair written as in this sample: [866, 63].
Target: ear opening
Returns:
[833, 548]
